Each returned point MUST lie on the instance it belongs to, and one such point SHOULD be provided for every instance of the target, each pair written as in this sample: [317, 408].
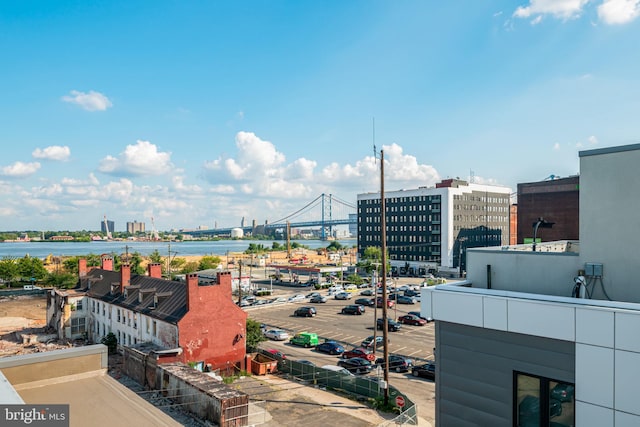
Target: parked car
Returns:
[305, 339]
[305, 312]
[367, 293]
[359, 352]
[297, 297]
[392, 325]
[370, 302]
[313, 294]
[426, 370]
[417, 313]
[336, 368]
[368, 342]
[306, 362]
[318, 299]
[343, 295]
[563, 392]
[356, 365]
[352, 309]
[389, 303]
[276, 353]
[330, 347]
[396, 363]
[276, 334]
[412, 319]
[411, 293]
[529, 410]
[401, 299]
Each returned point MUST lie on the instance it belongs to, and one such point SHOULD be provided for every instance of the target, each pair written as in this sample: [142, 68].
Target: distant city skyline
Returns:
[197, 114]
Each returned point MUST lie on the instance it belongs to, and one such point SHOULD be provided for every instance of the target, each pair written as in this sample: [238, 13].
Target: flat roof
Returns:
[97, 400]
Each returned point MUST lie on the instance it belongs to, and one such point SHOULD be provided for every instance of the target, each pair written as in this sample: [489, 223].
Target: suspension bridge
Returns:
[325, 211]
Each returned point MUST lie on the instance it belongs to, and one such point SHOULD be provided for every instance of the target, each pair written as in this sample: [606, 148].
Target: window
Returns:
[542, 401]
[79, 305]
[78, 325]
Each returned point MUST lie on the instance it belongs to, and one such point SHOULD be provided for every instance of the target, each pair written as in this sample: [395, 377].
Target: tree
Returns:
[254, 335]
[335, 246]
[111, 342]
[208, 262]
[8, 270]
[189, 267]
[155, 257]
[61, 280]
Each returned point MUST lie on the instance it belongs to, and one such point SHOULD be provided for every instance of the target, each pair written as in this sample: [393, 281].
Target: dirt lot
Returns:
[22, 311]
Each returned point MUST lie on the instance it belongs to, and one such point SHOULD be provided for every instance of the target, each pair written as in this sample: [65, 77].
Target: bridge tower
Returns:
[326, 231]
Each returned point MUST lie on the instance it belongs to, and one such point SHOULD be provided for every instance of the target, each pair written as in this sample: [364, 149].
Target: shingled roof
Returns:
[162, 299]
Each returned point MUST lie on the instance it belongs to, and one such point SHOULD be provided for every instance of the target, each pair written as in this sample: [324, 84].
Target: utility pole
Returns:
[383, 270]
[240, 283]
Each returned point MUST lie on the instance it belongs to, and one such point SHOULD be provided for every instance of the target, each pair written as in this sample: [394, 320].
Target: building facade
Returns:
[107, 226]
[431, 228]
[135, 227]
[548, 337]
[196, 320]
[556, 200]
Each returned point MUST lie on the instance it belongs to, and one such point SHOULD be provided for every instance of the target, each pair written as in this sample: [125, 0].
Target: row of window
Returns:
[481, 218]
[399, 208]
[489, 208]
[476, 197]
[403, 200]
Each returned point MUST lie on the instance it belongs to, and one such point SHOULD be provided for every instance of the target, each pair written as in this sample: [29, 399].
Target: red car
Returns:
[389, 302]
[359, 352]
[277, 353]
[412, 319]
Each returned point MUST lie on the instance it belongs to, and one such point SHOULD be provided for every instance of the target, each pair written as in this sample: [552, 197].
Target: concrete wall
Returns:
[609, 205]
[536, 272]
[36, 367]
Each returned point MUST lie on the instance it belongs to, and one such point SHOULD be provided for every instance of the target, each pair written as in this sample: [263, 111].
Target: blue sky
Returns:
[201, 112]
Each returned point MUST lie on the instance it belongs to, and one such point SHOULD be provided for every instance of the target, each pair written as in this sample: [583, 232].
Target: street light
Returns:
[540, 223]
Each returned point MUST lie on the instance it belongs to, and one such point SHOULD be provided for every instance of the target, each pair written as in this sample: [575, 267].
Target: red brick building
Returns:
[193, 322]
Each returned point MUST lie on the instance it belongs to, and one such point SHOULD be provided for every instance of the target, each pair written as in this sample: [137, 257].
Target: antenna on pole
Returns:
[375, 150]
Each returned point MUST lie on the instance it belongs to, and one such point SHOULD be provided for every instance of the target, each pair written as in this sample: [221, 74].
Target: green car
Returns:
[305, 339]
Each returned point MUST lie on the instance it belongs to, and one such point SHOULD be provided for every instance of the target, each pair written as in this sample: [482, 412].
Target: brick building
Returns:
[196, 321]
[556, 200]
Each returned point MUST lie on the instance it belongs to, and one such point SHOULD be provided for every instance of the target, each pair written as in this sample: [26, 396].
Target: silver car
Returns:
[276, 334]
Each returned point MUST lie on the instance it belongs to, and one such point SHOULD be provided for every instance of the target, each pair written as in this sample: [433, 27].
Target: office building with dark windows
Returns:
[430, 228]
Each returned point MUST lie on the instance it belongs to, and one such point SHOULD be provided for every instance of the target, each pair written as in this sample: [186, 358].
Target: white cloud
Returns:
[619, 11]
[20, 169]
[92, 101]
[556, 146]
[592, 140]
[536, 20]
[563, 9]
[53, 152]
[141, 159]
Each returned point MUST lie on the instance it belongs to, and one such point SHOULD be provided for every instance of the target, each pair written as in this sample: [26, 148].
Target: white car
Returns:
[343, 295]
[276, 334]
[298, 297]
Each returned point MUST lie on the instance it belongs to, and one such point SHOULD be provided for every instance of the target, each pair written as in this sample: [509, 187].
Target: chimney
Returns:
[125, 276]
[155, 270]
[192, 288]
[107, 263]
[82, 267]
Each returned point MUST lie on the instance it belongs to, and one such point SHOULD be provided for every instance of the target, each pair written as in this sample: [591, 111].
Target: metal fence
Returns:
[365, 386]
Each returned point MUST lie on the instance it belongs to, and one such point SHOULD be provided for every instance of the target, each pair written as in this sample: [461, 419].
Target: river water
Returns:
[199, 247]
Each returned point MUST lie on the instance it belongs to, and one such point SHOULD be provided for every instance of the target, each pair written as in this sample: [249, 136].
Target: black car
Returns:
[356, 365]
[305, 312]
[318, 299]
[396, 363]
[428, 370]
[392, 325]
[352, 309]
[330, 347]
[529, 410]
[366, 301]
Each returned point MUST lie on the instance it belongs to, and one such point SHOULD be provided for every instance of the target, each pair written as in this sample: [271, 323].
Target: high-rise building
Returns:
[430, 228]
[135, 227]
[106, 223]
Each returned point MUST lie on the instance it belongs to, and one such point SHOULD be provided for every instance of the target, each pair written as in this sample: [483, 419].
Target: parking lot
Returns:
[415, 342]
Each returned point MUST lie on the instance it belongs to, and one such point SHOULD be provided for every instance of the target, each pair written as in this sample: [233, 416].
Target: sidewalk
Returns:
[290, 403]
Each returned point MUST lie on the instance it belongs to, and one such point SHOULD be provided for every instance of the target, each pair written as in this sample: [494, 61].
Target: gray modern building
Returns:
[135, 227]
[430, 228]
[551, 336]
